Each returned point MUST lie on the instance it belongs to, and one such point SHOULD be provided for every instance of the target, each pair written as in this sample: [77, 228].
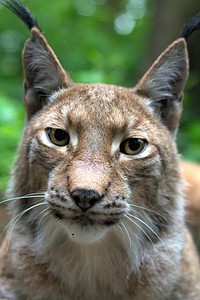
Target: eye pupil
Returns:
[133, 146]
[58, 136]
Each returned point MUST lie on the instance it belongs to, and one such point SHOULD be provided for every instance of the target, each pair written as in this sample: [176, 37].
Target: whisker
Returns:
[136, 212]
[127, 233]
[46, 214]
[34, 195]
[37, 216]
[141, 230]
[23, 212]
[149, 227]
[140, 214]
[37, 230]
[148, 209]
[119, 225]
[16, 218]
[129, 239]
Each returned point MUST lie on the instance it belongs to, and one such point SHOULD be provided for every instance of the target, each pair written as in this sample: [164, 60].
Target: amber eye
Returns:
[58, 137]
[133, 146]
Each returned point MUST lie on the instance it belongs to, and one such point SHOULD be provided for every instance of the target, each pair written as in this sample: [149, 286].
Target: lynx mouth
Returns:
[87, 221]
[84, 220]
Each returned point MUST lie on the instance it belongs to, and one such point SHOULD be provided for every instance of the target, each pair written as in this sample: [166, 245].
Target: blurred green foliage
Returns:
[11, 122]
[96, 41]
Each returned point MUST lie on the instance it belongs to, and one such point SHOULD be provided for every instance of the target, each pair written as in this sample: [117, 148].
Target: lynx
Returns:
[97, 198]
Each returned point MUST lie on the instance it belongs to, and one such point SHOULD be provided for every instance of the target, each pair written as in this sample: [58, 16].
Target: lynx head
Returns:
[104, 156]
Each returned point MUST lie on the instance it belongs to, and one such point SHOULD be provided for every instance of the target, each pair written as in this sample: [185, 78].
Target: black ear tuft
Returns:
[22, 12]
[191, 26]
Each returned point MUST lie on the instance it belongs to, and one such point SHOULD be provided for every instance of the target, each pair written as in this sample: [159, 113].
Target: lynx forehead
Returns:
[100, 103]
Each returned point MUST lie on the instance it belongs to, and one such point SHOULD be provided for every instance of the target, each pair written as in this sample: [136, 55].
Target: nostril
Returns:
[85, 198]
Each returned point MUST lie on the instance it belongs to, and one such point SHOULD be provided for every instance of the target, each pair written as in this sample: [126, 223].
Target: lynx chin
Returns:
[97, 202]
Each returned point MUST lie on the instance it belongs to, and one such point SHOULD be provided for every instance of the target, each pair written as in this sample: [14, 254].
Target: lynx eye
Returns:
[133, 146]
[58, 137]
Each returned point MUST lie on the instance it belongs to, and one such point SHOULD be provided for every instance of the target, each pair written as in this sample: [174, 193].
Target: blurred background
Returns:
[113, 41]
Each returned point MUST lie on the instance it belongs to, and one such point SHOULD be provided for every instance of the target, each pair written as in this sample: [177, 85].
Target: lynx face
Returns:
[101, 162]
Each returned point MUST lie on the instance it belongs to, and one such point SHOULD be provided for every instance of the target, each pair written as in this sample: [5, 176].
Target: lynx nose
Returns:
[85, 198]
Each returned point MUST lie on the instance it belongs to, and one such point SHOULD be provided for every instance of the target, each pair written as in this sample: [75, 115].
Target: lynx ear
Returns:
[43, 72]
[163, 84]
